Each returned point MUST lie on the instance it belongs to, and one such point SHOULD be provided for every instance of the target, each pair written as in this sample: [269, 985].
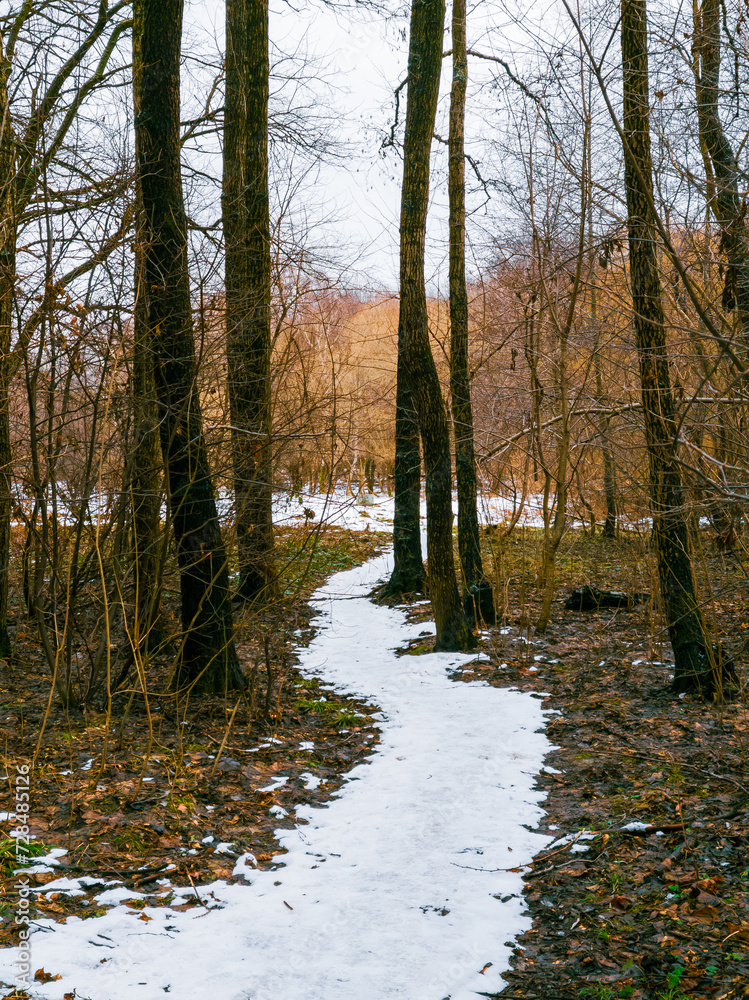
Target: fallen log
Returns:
[591, 599]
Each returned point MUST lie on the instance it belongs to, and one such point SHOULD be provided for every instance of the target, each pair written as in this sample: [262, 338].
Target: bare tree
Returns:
[725, 193]
[479, 598]
[27, 152]
[695, 666]
[246, 217]
[208, 660]
[414, 350]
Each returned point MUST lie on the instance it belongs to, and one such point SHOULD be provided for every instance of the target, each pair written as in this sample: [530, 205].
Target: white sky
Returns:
[364, 57]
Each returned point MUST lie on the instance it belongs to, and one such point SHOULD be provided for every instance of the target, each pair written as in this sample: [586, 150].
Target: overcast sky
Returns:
[362, 57]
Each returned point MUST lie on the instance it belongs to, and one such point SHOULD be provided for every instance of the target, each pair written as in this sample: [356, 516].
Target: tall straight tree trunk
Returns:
[208, 659]
[424, 64]
[408, 576]
[145, 480]
[554, 532]
[246, 216]
[609, 466]
[694, 667]
[479, 598]
[728, 180]
[7, 283]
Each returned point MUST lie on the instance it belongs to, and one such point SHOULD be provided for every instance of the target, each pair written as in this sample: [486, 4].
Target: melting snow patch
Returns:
[245, 866]
[276, 782]
[311, 781]
[45, 863]
[569, 837]
[66, 886]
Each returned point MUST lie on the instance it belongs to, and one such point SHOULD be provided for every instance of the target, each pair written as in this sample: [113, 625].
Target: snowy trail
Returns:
[379, 896]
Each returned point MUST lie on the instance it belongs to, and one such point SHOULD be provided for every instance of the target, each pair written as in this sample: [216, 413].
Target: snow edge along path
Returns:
[390, 891]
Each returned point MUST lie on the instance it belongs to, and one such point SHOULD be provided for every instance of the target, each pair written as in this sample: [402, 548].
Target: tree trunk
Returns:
[727, 197]
[208, 659]
[424, 64]
[479, 599]
[246, 217]
[145, 481]
[7, 284]
[408, 576]
[609, 465]
[554, 533]
[695, 667]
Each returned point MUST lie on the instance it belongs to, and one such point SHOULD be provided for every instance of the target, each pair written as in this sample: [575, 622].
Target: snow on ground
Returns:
[397, 889]
[376, 510]
[337, 507]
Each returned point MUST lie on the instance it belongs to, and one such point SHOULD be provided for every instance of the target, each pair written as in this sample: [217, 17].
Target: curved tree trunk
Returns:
[727, 198]
[694, 659]
[424, 64]
[246, 216]
[479, 598]
[208, 660]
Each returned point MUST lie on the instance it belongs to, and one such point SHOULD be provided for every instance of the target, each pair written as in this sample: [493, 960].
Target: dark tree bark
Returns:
[208, 660]
[246, 215]
[424, 64]
[728, 183]
[146, 475]
[7, 282]
[478, 600]
[408, 576]
[609, 464]
[694, 659]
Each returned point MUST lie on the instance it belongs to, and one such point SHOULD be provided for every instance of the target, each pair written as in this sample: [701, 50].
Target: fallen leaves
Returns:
[40, 976]
[670, 895]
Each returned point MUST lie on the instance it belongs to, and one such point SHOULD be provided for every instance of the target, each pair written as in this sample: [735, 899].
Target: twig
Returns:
[528, 864]
[269, 672]
[197, 894]
[225, 739]
[390, 141]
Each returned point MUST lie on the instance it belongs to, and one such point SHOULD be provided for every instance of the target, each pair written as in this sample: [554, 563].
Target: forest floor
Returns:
[645, 894]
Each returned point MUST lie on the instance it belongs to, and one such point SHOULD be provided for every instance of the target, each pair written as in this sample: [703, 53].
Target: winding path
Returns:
[391, 891]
